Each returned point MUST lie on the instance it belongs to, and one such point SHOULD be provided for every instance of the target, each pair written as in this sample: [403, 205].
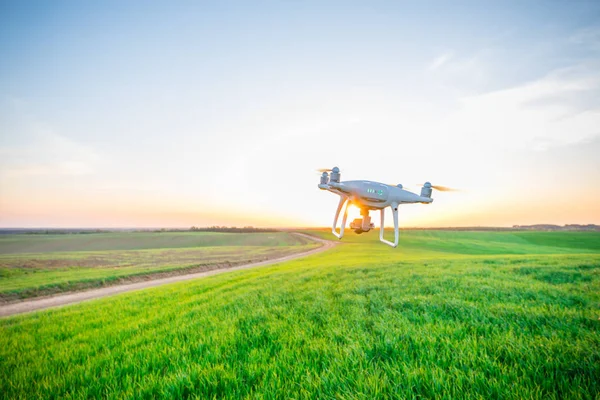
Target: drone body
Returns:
[369, 195]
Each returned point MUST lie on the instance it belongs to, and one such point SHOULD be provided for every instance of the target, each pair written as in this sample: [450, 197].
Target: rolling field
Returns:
[34, 265]
[446, 315]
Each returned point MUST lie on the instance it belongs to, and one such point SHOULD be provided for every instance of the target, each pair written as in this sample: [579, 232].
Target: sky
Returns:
[174, 114]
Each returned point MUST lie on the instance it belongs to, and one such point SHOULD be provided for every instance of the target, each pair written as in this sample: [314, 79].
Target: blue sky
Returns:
[196, 113]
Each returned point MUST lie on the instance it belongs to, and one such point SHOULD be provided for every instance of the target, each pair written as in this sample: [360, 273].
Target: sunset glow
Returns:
[205, 114]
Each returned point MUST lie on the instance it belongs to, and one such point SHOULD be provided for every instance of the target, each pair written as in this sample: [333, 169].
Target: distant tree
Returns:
[231, 229]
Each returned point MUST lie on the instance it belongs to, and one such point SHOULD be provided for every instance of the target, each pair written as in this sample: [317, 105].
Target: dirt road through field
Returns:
[77, 297]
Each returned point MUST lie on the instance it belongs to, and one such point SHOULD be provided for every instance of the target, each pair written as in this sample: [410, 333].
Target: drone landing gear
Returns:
[396, 234]
[364, 225]
[343, 200]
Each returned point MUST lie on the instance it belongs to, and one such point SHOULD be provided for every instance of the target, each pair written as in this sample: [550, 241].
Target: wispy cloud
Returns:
[588, 37]
[440, 60]
[537, 114]
[51, 169]
[463, 72]
[28, 148]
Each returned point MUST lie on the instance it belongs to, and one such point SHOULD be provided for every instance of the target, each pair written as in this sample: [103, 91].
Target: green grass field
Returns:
[484, 315]
[35, 265]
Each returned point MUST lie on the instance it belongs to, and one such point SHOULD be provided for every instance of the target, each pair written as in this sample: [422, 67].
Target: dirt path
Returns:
[77, 297]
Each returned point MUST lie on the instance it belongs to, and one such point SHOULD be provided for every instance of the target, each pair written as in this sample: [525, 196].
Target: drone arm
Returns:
[343, 200]
[394, 207]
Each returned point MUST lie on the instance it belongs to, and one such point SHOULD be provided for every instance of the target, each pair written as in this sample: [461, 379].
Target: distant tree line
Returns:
[56, 231]
[251, 229]
[538, 227]
[75, 231]
[231, 229]
[549, 227]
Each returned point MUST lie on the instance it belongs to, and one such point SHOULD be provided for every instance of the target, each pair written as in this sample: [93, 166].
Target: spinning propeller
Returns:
[440, 188]
[334, 169]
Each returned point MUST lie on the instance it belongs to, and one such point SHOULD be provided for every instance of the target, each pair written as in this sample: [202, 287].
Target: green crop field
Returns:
[34, 265]
[36, 243]
[473, 315]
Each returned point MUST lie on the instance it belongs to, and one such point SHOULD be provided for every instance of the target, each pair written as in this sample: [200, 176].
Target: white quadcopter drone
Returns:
[369, 195]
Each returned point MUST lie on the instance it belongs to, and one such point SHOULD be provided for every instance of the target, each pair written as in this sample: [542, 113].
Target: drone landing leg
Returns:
[343, 200]
[396, 234]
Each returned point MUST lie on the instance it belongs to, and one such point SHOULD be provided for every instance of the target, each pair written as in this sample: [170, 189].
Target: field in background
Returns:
[421, 242]
[446, 315]
[34, 265]
[11, 244]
